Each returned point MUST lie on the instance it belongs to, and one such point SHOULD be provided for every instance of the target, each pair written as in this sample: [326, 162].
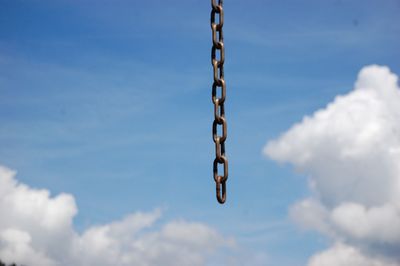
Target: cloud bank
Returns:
[37, 230]
[350, 151]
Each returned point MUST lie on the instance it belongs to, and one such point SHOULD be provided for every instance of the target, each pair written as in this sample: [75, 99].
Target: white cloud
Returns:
[344, 255]
[37, 230]
[377, 224]
[350, 150]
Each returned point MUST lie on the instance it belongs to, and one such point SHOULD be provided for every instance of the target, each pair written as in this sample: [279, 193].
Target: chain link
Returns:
[217, 61]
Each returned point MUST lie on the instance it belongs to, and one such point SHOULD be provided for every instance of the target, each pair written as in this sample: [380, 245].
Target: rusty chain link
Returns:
[217, 60]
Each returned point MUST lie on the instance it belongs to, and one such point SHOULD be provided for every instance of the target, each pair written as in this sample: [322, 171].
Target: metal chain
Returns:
[219, 85]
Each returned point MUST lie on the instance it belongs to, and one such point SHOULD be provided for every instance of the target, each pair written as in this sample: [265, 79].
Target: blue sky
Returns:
[111, 101]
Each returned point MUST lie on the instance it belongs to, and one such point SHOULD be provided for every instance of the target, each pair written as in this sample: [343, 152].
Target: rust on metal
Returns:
[217, 61]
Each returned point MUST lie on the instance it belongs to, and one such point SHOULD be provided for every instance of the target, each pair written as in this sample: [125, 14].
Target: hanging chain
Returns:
[217, 60]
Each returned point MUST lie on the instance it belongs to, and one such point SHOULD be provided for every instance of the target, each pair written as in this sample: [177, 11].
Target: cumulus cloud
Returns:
[350, 150]
[345, 255]
[36, 229]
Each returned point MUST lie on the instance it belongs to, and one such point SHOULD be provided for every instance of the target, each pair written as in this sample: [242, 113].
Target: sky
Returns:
[106, 146]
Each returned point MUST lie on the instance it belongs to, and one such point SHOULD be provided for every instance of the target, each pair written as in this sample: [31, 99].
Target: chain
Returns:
[219, 85]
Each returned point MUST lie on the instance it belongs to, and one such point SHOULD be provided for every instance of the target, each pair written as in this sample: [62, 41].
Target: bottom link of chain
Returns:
[221, 195]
